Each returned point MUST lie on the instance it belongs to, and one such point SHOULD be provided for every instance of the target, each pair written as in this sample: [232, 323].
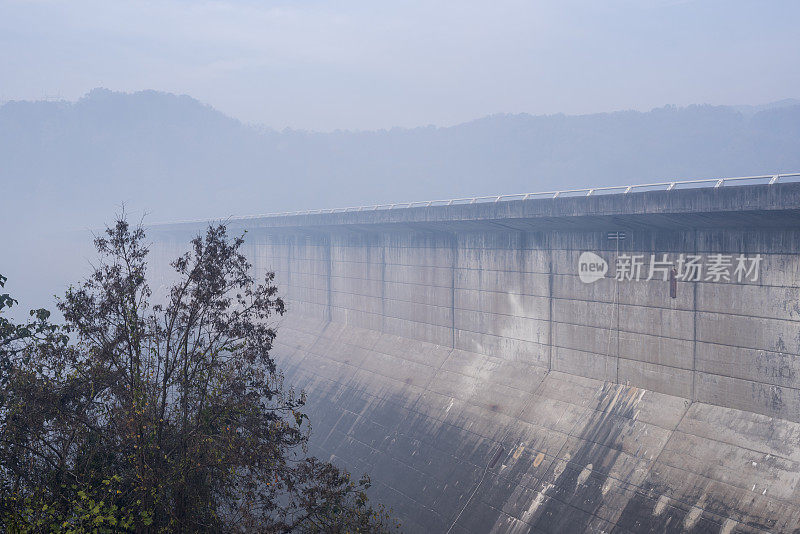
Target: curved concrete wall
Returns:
[458, 358]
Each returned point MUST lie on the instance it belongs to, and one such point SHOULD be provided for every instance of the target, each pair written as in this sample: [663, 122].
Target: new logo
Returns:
[591, 267]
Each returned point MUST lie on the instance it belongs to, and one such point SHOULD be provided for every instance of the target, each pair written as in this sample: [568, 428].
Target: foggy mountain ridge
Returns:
[750, 110]
[176, 158]
[71, 165]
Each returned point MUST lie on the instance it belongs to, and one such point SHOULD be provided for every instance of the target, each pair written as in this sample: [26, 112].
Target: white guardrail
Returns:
[767, 179]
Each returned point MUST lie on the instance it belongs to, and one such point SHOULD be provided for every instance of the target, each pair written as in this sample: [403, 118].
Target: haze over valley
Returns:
[70, 166]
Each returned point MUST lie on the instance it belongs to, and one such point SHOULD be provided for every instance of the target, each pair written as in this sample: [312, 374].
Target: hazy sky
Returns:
[323, 64]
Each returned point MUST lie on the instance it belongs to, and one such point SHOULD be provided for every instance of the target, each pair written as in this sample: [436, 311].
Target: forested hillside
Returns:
[177, 158]
[71, 165]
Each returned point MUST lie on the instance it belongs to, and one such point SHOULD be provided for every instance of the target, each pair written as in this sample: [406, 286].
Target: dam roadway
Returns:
[491, 376]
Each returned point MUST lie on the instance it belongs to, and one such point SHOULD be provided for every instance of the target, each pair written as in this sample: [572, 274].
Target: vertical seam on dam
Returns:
[616, 313]
[694, 340]
[329, 270]
[289, 255]
[383, 283]
[453, 266]
[550, 315]
[694, 329]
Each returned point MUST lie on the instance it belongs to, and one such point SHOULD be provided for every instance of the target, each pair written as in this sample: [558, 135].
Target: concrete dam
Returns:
[624, 362]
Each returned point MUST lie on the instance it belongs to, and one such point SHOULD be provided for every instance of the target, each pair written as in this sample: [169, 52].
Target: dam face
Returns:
[618, 363]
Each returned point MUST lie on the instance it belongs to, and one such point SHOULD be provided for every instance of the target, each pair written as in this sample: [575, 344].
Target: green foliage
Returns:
[88, 510]
[162, 418]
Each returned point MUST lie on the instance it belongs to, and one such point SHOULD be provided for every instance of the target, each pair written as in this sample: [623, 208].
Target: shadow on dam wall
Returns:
[431, 339]
[579, 455]
[579, 485]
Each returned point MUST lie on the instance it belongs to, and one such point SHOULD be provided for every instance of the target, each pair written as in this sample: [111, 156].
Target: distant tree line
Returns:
[169, 417]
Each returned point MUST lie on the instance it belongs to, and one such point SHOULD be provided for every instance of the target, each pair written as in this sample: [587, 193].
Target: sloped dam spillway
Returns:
[615, 363]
